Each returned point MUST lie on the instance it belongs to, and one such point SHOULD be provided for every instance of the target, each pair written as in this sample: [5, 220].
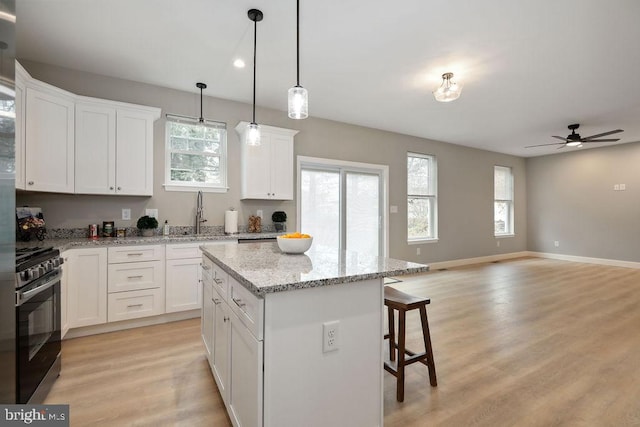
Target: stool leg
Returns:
[392, 333]
[401, 355]
[427, 347]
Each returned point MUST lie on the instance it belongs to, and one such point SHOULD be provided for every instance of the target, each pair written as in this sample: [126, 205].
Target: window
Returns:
[421, 197]
[503, 201]
[195, 155]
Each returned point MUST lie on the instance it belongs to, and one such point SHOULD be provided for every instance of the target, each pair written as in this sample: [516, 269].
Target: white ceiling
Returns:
[529, 67]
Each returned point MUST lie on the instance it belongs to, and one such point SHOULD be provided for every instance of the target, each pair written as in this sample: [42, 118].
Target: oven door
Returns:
[38, 333]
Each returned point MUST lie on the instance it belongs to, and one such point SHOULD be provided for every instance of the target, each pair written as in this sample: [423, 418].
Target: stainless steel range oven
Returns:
[38, 322]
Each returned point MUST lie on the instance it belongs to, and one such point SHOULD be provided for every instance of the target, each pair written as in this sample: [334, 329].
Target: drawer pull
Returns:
[238, 302]
[224, 319]
[206, 268]
[135, 254]
[216, 301]
[218, 281]
[134, 305]
[135, 277]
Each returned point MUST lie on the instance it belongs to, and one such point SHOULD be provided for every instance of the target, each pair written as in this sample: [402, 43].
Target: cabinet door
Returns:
[183, 284]
[245, 391]
[87, 285]
[49, 142]
[256, 174]
[134, 153]
[19, 127]
[220, 352]
[206, 321]
[95, 149]
[281, 167]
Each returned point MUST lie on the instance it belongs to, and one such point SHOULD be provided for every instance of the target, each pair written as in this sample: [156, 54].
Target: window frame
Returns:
[170, 185]
[432, 197]
[510, 226]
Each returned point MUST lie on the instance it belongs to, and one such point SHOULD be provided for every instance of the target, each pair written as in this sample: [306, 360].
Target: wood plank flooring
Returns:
[527, 342]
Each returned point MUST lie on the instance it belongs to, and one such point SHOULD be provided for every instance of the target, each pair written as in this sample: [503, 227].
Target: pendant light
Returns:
[201, 86]
[298, 96]
[252, 134]
[448, 90]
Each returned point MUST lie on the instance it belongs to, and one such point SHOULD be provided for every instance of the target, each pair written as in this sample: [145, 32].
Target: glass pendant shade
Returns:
[252, 134]
[448, 90]
[298, 103]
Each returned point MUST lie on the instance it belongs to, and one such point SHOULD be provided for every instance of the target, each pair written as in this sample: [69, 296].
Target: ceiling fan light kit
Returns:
[298, 97]
[252, 134]
[575, 140]
[448, 90]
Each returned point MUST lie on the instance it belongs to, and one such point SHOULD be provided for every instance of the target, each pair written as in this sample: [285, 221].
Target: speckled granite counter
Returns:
[263, 269]
[63, 244]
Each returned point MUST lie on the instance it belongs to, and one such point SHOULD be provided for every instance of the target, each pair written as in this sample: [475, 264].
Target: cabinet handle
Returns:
[238, 302]
[110, 188]
[135, 254]
[119, 188]
[224, 319]
[216, 301]
[135, 277]
[134, 305]
[206, 268]
[218, 281]
[30, 182]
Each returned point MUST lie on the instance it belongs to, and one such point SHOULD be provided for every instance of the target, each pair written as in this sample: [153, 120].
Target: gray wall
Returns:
[465, 175]
[571, 199]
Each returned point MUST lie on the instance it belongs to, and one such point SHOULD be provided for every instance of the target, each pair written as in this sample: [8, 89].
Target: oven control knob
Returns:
[41, 270]
[56, 262]
[35, 272]
[27, 275]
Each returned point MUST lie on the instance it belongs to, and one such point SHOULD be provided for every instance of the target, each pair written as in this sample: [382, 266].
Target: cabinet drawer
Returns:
[183, 250]
[220, 280]
[135, 276]
[134, 304]
[136, 253]
[248, 307]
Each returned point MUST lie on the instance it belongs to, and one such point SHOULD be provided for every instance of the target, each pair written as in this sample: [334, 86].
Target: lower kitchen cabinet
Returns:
[86, 277]
[206, 324]
[135, 304]
[220, 351]
[184, 291]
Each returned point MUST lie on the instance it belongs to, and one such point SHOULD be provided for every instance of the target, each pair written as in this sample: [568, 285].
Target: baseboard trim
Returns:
[130, 324]
[588, 260]
[478, 260]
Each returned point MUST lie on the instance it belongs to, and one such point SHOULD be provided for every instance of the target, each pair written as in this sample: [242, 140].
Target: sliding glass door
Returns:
[342, 206]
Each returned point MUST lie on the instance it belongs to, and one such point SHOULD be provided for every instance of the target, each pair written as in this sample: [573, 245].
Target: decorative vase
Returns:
[147, 232]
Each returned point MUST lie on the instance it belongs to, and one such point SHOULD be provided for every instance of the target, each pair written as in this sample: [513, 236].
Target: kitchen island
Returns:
[296, 340]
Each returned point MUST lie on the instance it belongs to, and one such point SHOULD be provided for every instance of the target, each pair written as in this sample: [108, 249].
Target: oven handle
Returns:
[23, 297]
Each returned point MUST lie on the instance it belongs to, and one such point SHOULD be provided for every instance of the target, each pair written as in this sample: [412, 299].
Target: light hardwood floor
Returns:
[527, 342]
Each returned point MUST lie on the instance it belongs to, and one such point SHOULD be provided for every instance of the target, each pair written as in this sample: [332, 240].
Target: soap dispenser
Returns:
[165, 228]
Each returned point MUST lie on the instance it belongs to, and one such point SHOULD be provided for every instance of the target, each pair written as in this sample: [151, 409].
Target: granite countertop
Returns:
[64, 244]
[262, 268]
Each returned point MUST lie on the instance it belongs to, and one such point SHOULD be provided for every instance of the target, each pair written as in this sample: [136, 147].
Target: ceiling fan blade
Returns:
[602, 140]
[542, 145]
[611, 132]
[562, 146]
[560, 137]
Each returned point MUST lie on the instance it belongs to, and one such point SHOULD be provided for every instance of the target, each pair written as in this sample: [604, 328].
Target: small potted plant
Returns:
[279, 219]
[147, 225]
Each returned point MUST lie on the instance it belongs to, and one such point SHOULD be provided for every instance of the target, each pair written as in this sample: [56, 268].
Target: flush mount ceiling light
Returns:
[448, 90]
[252, 134]
[298, 96]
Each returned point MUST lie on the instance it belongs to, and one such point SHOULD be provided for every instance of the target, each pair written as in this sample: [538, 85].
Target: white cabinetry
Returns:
[49, 139]
[184, 289]
[114, 148]
[236, 316]
[21, 77]
[135, 282]
[64, 296]
[267, 169]
[206, 323]
[86, 273]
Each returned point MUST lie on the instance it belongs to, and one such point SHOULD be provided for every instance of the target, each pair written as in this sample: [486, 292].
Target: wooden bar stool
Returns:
[397, 300]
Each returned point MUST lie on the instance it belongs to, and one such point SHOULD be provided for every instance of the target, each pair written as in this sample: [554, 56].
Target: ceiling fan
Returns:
[575, 140]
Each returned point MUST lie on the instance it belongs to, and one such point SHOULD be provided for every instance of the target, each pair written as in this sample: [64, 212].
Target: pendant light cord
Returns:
[297, 42]
[255, 41]
[201, 118]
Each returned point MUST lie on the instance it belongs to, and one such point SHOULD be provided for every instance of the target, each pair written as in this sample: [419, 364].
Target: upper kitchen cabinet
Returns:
[48, 138]
[267, 169]
[114, 147]
[21, 77]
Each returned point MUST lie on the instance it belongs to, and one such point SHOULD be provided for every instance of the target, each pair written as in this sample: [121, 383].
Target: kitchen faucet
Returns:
[199, 212]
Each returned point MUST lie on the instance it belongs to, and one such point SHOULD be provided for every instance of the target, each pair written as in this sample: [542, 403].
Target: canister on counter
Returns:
[121, 232]
[93, 231]
[108, 229]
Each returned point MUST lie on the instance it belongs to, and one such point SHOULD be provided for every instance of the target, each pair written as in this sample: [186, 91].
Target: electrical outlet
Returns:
[556, 244]
[330, 336]
[623, 187]
[417, 251]
[126, 214]
[152, 213]
[393, 209]
[259, 213]
[616, 187]
[498, 243]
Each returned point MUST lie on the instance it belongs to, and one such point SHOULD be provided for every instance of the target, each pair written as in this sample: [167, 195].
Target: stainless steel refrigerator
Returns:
[7, 203]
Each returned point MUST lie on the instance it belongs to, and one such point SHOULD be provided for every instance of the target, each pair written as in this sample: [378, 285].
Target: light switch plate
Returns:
[152, 213]
[126, 214]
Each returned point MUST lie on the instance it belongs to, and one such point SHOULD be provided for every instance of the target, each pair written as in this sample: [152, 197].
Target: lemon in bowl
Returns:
[294, 243]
